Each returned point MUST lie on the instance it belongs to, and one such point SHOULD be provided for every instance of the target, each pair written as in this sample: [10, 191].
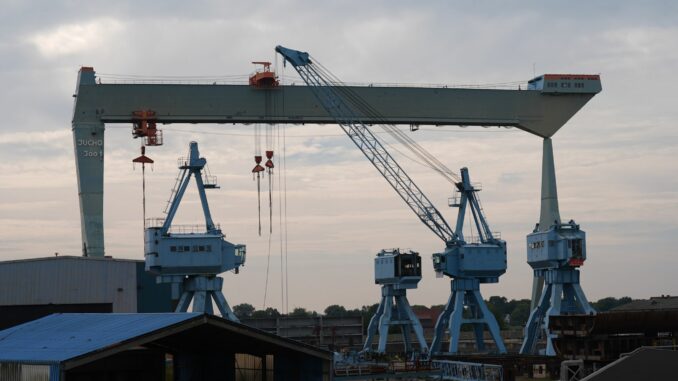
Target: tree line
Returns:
[509, 313]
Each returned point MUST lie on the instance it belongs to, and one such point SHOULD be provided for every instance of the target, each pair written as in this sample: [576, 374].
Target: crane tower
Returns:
[555, 250]
[187, 257]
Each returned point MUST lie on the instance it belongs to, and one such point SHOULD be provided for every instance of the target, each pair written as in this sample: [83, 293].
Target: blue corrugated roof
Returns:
[60, 337]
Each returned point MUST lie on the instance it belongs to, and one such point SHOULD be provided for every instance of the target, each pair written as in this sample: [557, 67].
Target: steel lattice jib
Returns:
[483, 261]
[191, 254]
[561, 245]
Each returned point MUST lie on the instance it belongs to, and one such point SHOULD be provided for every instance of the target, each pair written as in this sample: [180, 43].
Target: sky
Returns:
[616, 160]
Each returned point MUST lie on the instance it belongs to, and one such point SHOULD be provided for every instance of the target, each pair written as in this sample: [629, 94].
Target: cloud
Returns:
[74, 38]
[615, 159]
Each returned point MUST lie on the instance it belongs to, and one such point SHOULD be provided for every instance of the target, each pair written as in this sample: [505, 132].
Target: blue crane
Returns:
[467, 263]
[555, 251]
[396, 271]
[187, 257]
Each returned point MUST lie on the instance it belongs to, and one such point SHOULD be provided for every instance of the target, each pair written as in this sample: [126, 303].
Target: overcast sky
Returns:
[617, 159]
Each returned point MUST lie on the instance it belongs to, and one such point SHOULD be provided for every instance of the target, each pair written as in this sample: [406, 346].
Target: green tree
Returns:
[498, 315]
[520, 313]
[267, 313]
[606, 304]
[499, 305]
[335, 310]
[243, 311]
[301, 312]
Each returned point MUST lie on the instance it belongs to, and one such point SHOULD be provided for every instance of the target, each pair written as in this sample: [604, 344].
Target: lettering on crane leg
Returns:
[91, 143]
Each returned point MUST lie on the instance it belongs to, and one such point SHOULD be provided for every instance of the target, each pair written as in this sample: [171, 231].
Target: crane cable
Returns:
[282, 178]
[366, 109]
[256, 171]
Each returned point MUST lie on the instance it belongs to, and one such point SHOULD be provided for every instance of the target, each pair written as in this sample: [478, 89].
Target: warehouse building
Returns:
[33, 288]
[161, 346]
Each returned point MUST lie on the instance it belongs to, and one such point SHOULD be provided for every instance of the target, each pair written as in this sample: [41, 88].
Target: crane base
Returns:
[562, 294]
[394, 310]
[466, 293]
[201, 290]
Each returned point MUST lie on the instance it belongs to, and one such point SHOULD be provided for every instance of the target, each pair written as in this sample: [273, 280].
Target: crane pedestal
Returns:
[466, 293]
[200, 289]
[394, 310]
[562, 295]
[396, 271]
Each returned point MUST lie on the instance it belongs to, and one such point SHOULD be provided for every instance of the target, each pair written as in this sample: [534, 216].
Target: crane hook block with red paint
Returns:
[257, 168]
[269, 162]
[143, 159]
[144, 126]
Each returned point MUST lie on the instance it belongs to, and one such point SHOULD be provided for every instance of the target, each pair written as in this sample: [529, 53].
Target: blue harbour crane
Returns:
[468, 262]
[396, 271]
[190, 258]
[555, 251]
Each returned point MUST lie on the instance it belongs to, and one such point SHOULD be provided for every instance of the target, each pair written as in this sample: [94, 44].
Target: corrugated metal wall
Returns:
[28, 372]
[66, 280]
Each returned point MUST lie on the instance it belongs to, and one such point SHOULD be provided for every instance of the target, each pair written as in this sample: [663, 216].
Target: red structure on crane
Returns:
[264, 78]
[144, 126]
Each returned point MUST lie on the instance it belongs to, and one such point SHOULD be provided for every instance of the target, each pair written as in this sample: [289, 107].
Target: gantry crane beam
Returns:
[539, 112]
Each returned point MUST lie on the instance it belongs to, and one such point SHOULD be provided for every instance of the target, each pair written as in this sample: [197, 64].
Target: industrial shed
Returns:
[161, 346]
[33, 288]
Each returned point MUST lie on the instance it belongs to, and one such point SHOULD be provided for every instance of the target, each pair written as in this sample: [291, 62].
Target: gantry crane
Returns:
[187, 257]
[468, 263]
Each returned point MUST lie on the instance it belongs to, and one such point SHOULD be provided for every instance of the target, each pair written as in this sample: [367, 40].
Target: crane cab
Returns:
[484, 261]
[401, 269]
[566, 83]
[563, 245]
[191, 253]
[264, 78]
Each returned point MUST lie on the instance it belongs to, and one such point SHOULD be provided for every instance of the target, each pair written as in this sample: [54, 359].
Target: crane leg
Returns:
[454, 325]
[223, 306]
[374, 325]
[88, 142]
[184, 301]
[199, 301]
[384, 324]
[441, 324]
[534, 327]
[491, 322]
[405, 328]
[416, 325]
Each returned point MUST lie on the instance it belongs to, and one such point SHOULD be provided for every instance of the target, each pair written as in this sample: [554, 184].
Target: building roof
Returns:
[642, 364]
[664, 302]
[70, 257]
[59, 337]
[75, 339]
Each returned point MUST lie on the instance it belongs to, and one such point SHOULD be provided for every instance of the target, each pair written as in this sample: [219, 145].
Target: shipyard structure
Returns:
[166, 317]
